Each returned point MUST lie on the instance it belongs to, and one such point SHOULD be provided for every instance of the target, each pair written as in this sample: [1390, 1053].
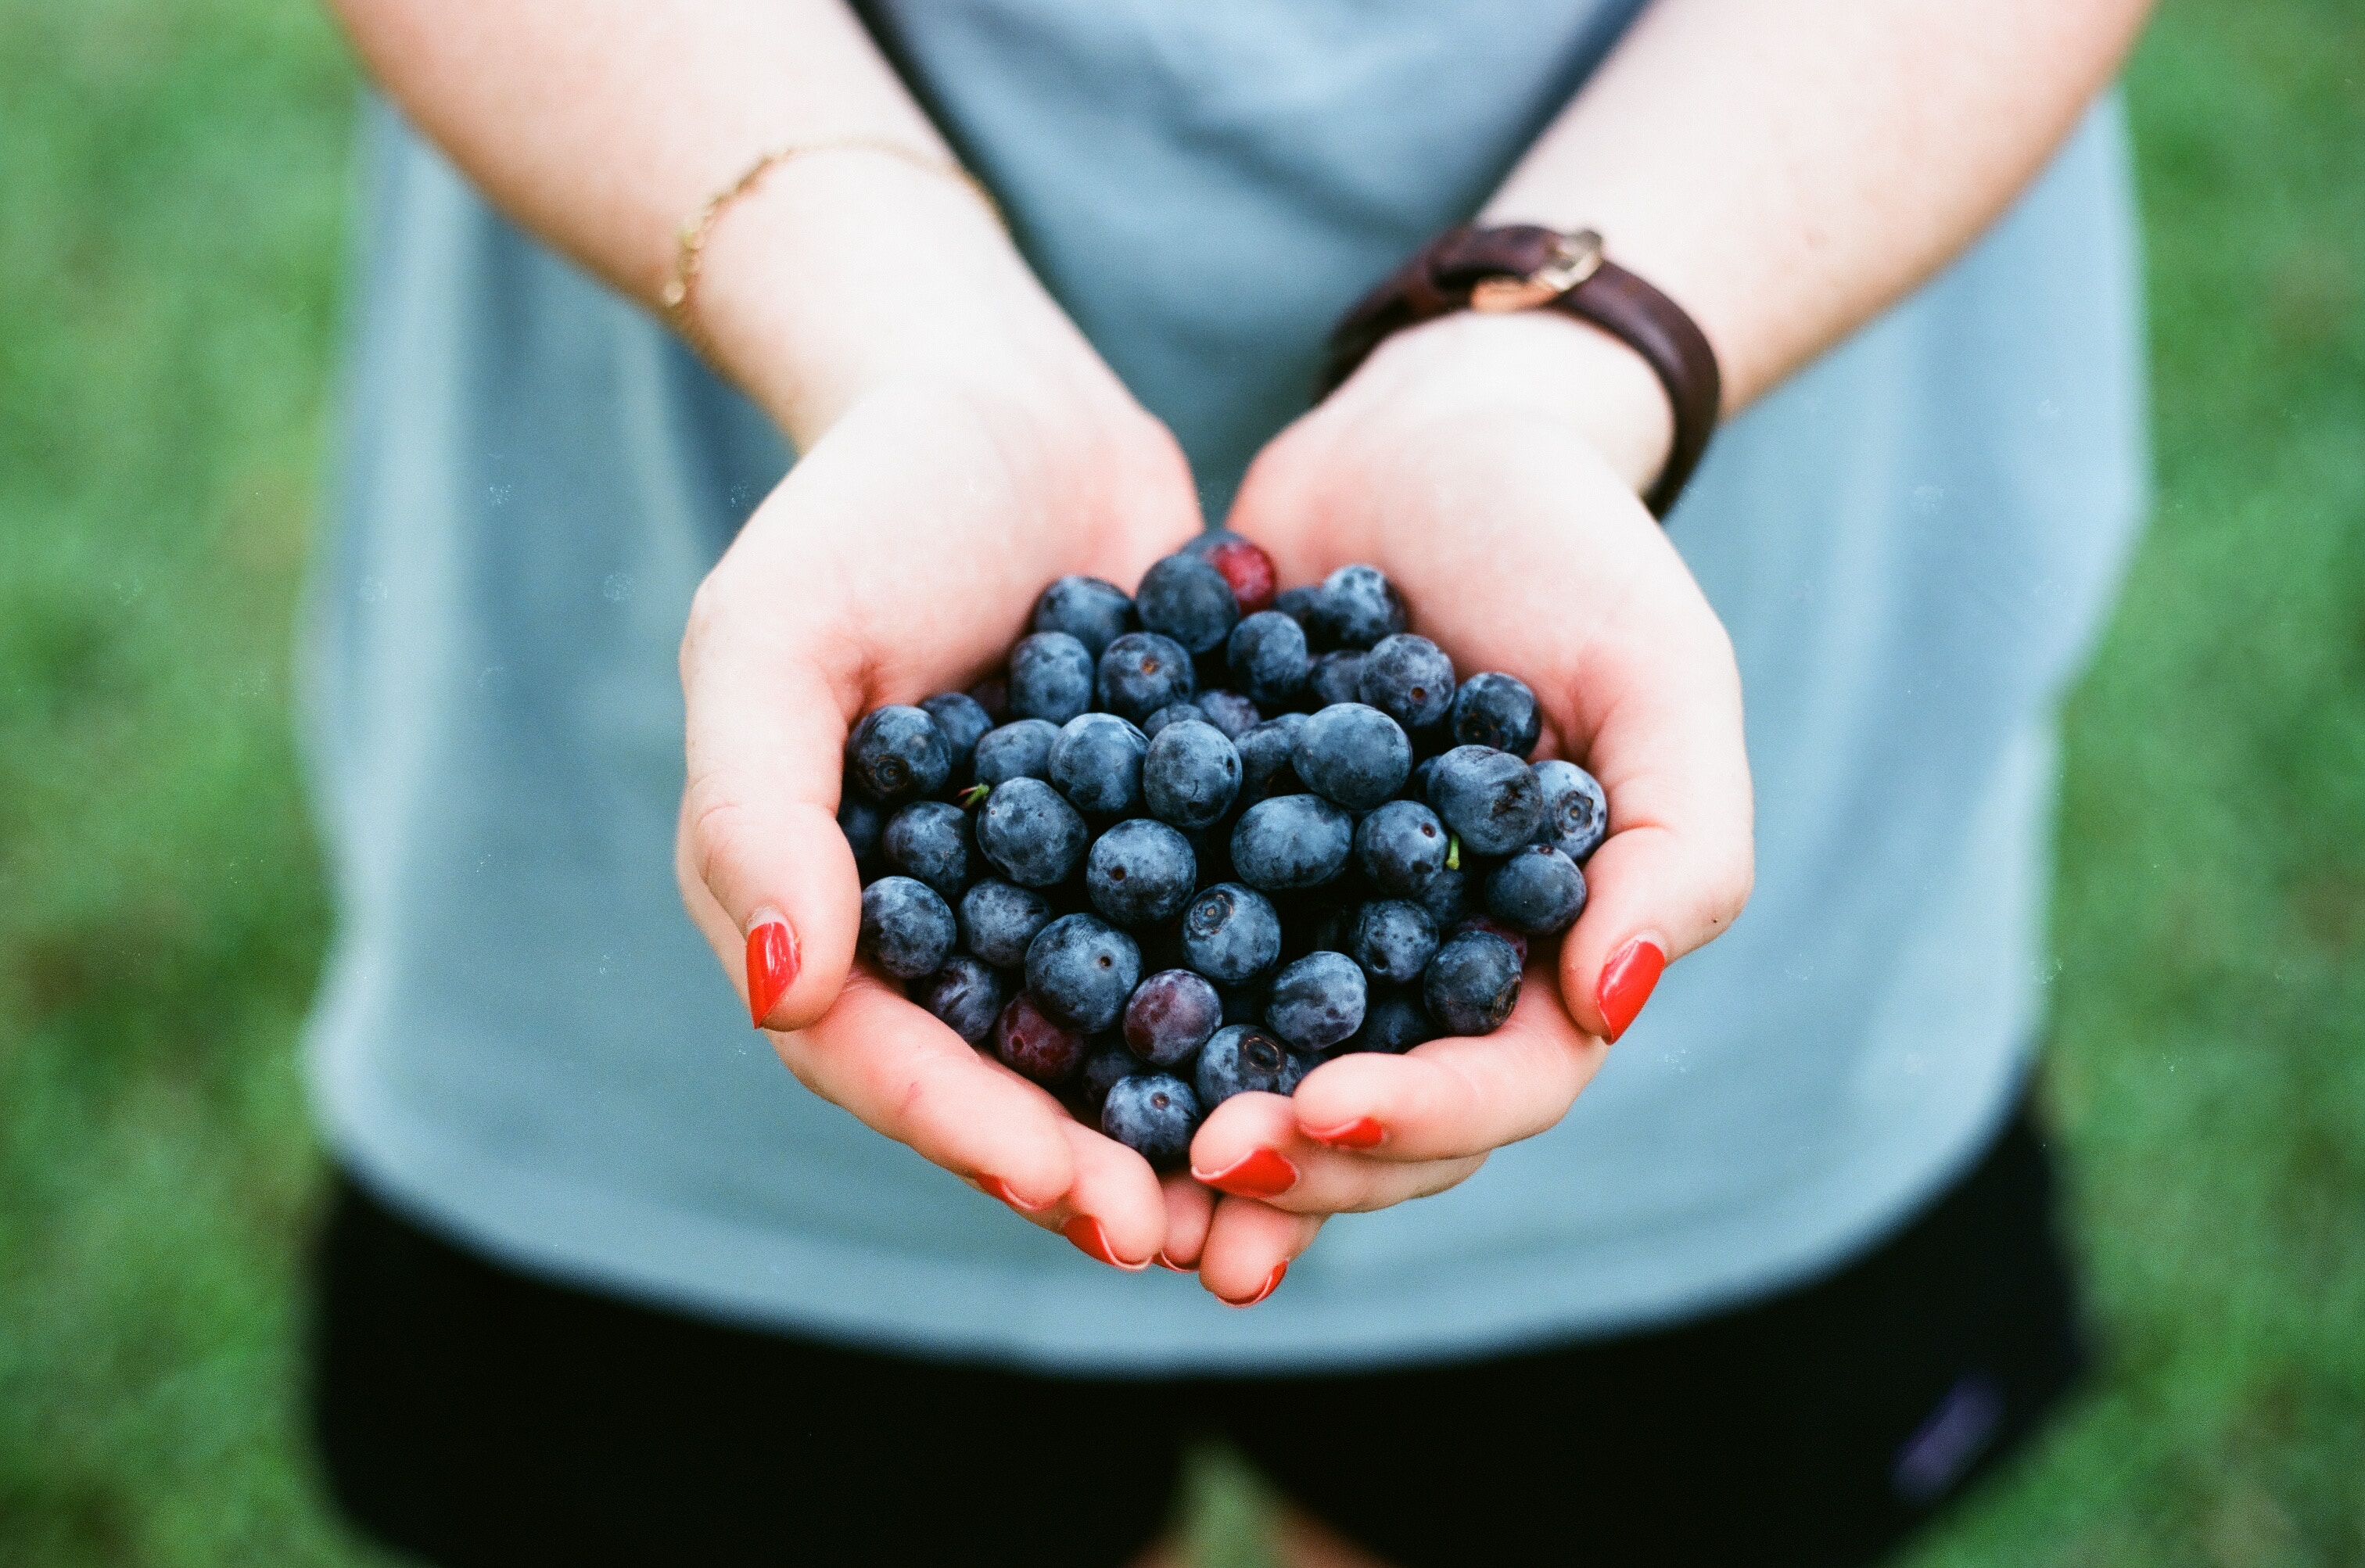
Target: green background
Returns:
[174, 199]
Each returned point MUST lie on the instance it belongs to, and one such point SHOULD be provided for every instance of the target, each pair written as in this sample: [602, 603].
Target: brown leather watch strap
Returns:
[1522, 266]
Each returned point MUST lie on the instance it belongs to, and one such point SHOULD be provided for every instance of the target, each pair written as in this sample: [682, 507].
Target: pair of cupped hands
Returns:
[1490, 467]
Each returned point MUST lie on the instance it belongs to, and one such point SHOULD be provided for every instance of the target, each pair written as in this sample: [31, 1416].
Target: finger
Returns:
[1253, 1148]
[1189, 1209]
[1116, 1213]
[1249, 1248]
[1455, 1098]
[899, 1070]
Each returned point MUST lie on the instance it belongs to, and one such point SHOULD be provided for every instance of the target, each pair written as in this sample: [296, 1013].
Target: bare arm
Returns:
[603, 125]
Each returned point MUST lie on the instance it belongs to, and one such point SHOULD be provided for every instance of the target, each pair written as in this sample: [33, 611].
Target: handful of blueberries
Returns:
[1198, 840]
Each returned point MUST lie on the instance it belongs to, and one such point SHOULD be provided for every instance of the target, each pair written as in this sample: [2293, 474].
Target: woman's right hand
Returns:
[945, 485]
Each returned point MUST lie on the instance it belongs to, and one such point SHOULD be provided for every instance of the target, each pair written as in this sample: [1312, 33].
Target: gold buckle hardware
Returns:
[1575, 258]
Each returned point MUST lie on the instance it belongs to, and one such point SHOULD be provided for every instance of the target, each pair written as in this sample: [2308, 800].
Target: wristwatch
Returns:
[1523, 266]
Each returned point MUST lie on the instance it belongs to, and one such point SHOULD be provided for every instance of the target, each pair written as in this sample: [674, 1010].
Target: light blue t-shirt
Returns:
[523, 1043]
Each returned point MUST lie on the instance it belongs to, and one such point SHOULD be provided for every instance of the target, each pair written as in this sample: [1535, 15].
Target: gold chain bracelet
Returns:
[679, 292]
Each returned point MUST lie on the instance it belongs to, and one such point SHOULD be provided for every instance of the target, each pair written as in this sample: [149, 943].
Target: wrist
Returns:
[1539, 364]
[840, 274]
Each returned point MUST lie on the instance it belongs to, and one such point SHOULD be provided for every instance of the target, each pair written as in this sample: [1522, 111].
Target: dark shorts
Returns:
[473, 1415]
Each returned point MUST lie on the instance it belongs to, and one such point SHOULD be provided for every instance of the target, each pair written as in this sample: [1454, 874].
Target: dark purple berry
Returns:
[1230, 712]
[1393, 940]
[930, 840]
[1139, 872]
[1401, 847]
[1032, 1043]
[1096, 763]
[1020, 749]
[1335, 677]
[1576, 811]
[1359, 606]
[962, 721]
[1267, 657]
[1231, 933]
[1171, 1015]
[1242, 1059]
[1189, 775]
[998, 919]
[1292, 841]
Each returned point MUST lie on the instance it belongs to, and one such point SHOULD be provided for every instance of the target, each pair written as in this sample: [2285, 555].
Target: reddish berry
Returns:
[1249, 569]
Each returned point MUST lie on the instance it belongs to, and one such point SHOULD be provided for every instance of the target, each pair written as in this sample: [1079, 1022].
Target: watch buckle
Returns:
[1576, 257]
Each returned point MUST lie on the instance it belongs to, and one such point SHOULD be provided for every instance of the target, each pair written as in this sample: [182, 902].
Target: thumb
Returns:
[1679, 861]
[764, 869]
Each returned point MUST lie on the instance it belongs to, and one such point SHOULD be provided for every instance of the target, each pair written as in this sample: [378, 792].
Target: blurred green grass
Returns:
[174, 183]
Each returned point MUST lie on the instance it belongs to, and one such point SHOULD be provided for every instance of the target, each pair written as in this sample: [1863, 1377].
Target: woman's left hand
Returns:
[1490, 467]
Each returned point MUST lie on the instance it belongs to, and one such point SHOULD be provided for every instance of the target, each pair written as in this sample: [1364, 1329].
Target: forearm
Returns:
[603, 126]
[1785, 171]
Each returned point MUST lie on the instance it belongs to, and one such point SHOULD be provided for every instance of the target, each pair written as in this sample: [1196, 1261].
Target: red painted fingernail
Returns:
[995, 1187]
[771, 967]
[1362, 1133]
[1264, 1175]
[1626, 982]
[1271, 1283]
[1093, 1241]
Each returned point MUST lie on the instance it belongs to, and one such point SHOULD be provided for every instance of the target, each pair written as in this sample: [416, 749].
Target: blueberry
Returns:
[1359, 606]
[1189, 775]
[1401, 847]
[1230, 933]
[1244, 564]
[1241, 1060]
[1292, 841]
[1417, 785]
[1050, 678]
[1020, 749]
[930, 840]
[1473, 983]
[1539, 890]
[1393, 940]
[1408, 679]
[1105, 1066]
[907, 929]
[1265, 751]
[1316, 1001]
[1267, 655]
[1353, 755]
[1171, 1015]
[1139, 872]
[1447, 898]
[1032, 1043]
[1229, 711]
[1336, 677]
[897, 753]
[1094, 613]
[1187, 599]
[1096, 763]
[1498, 710]
[964, 993]
[1154, 1115]
[1030, 833]
[1576, 813]
[1393, 1023]
[1487, 798]
[998, 919]
[963, 722]
[1142, 672]
[861, 821]
[1302, 605]
[1081, 970]
[1173, 713]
